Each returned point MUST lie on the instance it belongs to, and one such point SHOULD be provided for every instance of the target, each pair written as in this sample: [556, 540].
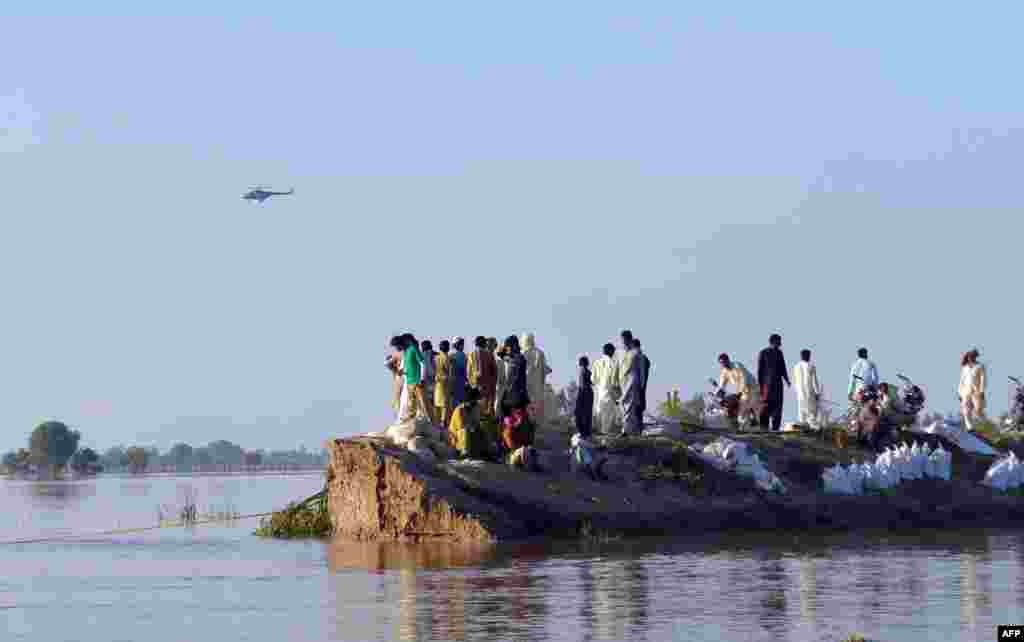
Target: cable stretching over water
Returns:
[121, 531]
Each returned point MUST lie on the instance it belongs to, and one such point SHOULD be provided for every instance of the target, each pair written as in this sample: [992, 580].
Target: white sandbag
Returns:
[915, 462]
[715, 448]
[1000, 474]
[933, 467]
[944, 463]
[856, 476]
[670, 431]
[873, 477]
[837, 480]
[401, 433]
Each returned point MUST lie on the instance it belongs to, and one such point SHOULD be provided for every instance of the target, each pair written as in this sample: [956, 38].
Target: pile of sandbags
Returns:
[889, 469]
[421, 437]
[734, 456]
[952, 428]
[1005, 474]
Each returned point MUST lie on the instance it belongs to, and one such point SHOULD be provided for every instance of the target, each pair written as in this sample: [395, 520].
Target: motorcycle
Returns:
[910, 396]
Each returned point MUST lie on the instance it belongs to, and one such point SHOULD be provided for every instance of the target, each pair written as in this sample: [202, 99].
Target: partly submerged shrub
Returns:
[308, 518]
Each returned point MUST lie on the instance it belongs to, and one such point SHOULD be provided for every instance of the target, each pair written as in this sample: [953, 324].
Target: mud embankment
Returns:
[379, 492]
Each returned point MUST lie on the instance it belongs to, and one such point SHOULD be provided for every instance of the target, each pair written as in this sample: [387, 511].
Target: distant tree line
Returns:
[53, 449]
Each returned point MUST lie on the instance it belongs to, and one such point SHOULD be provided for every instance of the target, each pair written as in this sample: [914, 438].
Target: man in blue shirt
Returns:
[864, 369]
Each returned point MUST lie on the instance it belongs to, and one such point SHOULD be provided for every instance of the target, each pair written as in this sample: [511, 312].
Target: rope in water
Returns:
[180, 524]
[123, 531]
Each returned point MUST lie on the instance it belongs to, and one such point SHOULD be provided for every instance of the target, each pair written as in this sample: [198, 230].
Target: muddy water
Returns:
[220, 582]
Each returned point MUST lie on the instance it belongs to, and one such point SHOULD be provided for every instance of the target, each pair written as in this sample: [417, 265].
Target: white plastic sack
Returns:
[837, 480]
[400, 434]
[671, 431]
[716, 421]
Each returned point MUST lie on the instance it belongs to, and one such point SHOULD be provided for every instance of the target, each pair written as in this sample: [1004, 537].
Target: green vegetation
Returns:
[1001, 440]
[855, 637]
[86, 462]
[674, 408]
[308, 518]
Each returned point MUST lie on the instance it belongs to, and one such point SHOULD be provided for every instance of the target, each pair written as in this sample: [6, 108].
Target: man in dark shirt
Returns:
[646, 369]
[771, 372]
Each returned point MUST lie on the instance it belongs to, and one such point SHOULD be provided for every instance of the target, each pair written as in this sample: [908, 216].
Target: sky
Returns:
[702, 175]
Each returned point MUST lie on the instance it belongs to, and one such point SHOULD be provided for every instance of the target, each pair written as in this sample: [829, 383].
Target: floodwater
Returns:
[220, 582]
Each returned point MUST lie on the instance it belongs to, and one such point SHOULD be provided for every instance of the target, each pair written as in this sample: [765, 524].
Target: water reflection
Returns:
[53, 494]
[787, 587]
[807, 590]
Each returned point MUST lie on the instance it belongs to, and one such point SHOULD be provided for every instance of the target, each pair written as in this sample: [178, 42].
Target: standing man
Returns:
[646, 368]
[808, 390]
[536, 371]
[412, 363]
[606, 390]
[631, 381]
[863, 373]
[442, 391]
[457, 377]
[429, 371]
[972, 389]
[483, 375]
[771, 372]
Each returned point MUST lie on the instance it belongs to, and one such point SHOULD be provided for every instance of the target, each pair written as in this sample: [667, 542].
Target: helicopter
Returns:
[261, 193]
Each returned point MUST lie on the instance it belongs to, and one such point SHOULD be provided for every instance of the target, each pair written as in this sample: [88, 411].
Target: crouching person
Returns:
[517, 433]
[466, 433]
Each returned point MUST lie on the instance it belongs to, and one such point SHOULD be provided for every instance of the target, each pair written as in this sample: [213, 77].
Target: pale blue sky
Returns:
[702, 176]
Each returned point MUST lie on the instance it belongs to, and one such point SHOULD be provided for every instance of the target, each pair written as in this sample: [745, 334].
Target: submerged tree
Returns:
[138, 457]
[51, 445]
[86, 462]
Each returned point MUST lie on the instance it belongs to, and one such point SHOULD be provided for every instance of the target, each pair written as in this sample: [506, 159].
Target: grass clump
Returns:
[1010, 440]
[308, 518]
[855, 637]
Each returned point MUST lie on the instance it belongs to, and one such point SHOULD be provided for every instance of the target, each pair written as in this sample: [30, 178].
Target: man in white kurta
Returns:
[972, 390]
[537, 371]
[808, 389]
[605, 377]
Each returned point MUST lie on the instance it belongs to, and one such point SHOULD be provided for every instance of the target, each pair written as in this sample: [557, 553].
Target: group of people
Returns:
[458, 391]
[761, 399]
[506, 383]
[614, 391]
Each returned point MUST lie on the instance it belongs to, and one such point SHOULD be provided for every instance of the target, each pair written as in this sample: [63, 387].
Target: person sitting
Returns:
[465, 432]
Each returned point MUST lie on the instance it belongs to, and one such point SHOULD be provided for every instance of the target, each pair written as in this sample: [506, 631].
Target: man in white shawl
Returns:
[972, 389]
[808, 389]
[605, 376]
[537, 371]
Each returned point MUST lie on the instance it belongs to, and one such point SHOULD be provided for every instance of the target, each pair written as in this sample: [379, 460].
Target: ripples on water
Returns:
[220, 582]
